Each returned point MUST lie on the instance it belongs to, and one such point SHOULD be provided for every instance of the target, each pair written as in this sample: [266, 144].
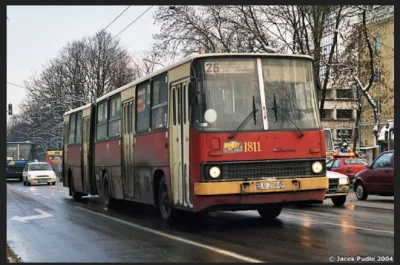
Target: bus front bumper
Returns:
[260, 186]
[249, 195]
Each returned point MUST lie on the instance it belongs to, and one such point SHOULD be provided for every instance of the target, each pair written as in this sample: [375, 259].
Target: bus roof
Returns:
[78, 109]
[21, 142]
[185, 60]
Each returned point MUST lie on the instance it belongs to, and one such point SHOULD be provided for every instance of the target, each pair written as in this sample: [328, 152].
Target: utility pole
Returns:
[9, 109]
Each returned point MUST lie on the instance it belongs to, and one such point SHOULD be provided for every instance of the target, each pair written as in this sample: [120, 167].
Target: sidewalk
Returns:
[373, 201]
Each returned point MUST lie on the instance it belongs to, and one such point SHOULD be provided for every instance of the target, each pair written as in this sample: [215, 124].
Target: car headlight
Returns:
[343, 181]
[214, 172]
[317, 167]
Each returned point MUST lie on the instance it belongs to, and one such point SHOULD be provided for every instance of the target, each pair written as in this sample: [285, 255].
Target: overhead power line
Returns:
[133, 21]
[18, 85]
[116, 18]
[101, 31]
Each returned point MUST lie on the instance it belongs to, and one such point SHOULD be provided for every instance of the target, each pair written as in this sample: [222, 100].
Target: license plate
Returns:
[270, 185]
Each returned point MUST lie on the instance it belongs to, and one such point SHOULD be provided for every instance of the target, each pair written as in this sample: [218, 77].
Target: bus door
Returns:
[85, 153]
[65, 154]
[127, 150]
[179, 144]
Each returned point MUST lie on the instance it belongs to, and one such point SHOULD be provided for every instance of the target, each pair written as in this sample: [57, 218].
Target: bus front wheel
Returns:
[168, 213]
[270, 211]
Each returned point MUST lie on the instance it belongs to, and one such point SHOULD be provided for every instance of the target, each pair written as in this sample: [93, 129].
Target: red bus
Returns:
[210, 132]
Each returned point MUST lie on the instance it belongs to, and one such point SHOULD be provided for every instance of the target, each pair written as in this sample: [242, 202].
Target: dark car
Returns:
[377, 179]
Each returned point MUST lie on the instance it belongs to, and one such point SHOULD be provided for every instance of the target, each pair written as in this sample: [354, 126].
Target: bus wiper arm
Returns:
[275, 109]
[301, 134]
[253, 112]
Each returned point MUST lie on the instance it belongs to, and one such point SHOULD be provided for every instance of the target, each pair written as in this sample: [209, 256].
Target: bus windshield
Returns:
[228, 90]
[290, 94]
[20, 151]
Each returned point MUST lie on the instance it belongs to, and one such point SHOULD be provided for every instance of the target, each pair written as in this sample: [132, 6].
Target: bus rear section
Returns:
[77, 156]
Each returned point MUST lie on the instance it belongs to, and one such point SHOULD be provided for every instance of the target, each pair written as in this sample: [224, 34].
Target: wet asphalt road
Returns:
[88, 232]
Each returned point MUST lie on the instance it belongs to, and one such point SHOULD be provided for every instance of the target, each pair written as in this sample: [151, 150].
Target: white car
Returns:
[338, 187]
[38, 172]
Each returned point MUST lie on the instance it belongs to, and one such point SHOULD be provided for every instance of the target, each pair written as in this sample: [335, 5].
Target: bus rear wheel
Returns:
[76, 195]
[168, 213]
[270, 211]
[108, 201]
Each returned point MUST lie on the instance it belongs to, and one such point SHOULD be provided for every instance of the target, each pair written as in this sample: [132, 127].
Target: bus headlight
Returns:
[214, 172]
[317, 167]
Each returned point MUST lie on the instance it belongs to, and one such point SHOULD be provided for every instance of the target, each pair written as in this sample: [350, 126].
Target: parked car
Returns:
[38, 172]
[347, 164]
[59, 172]
[377, 179]
[339, 185]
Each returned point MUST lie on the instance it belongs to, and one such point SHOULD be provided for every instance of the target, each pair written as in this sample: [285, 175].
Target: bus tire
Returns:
[168, 213]
[76, 195]
[108, 201]
[270, 211]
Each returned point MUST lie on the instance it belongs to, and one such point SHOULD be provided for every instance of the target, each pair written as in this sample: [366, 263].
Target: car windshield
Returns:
[35, 167]
[355, 161]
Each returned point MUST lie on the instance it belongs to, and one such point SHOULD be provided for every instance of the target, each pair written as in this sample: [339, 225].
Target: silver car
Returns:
[339, 185]
[38, 172]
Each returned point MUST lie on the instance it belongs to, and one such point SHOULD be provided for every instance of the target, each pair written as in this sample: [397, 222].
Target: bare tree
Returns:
[83, 71]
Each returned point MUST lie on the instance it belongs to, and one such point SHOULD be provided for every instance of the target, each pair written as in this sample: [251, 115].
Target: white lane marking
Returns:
[60, 201]
[36, 194]
[187, 241]
[46, 197]
[341, 225]
[42, 214]
[19, 189]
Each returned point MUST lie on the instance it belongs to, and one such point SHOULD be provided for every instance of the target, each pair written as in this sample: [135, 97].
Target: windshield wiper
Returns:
[275, 109]
[246, 120]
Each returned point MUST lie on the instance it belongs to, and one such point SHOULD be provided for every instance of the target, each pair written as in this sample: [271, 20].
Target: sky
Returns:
[36, 34]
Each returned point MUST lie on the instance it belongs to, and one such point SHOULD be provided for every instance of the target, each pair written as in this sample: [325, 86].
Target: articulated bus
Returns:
[210, 132]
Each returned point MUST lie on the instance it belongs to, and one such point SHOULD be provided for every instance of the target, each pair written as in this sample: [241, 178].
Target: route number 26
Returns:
[212, 68]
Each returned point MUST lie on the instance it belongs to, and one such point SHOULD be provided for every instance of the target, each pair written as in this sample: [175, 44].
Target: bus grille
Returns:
[265, 169]
[15, 170]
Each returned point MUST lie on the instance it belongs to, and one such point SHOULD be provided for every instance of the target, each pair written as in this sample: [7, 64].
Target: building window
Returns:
[377, 77]
[114, 123]
[344, 133]
[143, 108]
[101, 131]
[344, 114]
[344, 93]
[159, 107]
[377, 45]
